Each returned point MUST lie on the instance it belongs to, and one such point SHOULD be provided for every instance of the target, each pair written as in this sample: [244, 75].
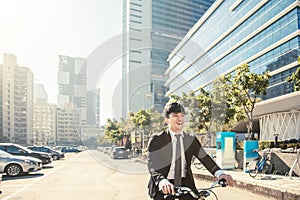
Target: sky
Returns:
[37, 31]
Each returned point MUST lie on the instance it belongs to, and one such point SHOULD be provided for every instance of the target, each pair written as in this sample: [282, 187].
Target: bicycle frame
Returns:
[297, 161]
[260, 164]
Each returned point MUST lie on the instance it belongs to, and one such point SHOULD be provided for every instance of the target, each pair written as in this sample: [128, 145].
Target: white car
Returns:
[18, 165]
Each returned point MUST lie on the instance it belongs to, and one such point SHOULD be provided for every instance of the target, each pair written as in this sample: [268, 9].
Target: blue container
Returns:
[225, 153]
[249, 153]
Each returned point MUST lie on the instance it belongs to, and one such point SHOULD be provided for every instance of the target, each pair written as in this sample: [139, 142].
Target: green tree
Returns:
[199, 110]
[223, 111]
[141, 120]
[157, 121]
[246, 87]
[112, 130]
[295, 78]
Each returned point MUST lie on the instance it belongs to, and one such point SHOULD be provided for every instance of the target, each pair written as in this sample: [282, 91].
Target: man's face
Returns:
[175, 121]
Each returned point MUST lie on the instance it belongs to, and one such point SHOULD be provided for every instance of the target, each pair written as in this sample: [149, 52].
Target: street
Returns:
[93, 175]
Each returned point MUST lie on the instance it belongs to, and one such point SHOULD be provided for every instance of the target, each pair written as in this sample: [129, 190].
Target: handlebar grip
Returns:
[222, 182]
[167, 195]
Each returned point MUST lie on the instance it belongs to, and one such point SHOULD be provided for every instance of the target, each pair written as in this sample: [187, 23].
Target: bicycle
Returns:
[201, 194]
[297, 161]
[196, 162]
[263, 165]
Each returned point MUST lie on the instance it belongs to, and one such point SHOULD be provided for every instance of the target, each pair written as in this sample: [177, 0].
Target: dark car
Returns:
[18, 150]
[55, 154]
[70, 150]
[119, 152]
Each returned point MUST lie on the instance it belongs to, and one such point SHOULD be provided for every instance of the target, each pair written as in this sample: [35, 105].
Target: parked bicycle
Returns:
[202, 194]
[198, 165]
[295, 164]
[260, 166]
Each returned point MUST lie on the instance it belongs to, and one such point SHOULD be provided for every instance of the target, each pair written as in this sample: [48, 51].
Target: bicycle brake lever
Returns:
[222, 182]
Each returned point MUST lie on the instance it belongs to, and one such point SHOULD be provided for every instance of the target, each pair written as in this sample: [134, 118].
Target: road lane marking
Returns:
[30, 184]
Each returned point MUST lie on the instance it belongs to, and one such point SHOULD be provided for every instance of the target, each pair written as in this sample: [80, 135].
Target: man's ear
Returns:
[166, 120]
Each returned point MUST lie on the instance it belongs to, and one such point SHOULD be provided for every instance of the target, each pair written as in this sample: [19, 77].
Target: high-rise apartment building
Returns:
[44, 122]
[263, 34]
[151, 29]
[17, 101]
[68, 127]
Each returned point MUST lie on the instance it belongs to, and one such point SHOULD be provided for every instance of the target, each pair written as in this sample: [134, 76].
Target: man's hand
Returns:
[228, 179]
[168, 188]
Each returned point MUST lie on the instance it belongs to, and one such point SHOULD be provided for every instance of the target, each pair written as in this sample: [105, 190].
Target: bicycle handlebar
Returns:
[201, 192]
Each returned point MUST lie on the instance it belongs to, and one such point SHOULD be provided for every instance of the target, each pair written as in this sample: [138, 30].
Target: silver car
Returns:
[18, 165]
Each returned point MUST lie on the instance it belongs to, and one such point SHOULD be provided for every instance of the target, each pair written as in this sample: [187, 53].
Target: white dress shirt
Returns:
[171, 174]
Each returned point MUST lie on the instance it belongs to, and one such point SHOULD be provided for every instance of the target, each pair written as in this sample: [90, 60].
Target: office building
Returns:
[40, 92]
[151, 29]
[93, 107]
[263, 34]
[16, 94]
[72, 83]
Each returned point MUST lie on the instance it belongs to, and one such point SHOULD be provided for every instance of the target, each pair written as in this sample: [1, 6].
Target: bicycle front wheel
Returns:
[268, 167]
[252, 169]
[208, 195]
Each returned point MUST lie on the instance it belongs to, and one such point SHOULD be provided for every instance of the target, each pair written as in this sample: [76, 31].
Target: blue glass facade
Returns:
[151, 30]
[263, 34]
[171, 20]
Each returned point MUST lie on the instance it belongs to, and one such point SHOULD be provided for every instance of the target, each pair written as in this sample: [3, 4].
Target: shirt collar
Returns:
[173, 133]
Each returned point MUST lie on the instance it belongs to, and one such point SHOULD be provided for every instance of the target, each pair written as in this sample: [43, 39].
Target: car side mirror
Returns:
[21, 151]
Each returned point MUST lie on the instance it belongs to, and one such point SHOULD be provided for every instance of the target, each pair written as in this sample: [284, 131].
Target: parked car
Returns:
[19, 150]
[70, 150]
[119, 152]
[107, 150]
[55, 154]
[18, 165]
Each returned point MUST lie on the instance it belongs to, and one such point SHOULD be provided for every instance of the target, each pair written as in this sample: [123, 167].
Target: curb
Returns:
[257, 189]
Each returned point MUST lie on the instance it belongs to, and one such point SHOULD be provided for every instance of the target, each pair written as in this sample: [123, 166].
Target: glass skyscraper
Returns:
[151, 29]
[263, 34]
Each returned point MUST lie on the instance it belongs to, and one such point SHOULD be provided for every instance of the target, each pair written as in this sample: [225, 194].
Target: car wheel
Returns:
[55, 157]
[13, 170]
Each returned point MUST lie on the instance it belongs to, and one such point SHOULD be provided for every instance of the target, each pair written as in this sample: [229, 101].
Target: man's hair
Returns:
[173, 107]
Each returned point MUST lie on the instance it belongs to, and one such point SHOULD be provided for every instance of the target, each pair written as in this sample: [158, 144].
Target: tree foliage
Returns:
[295, 78]
[112, 130]
[141, 118]
[223, 109]
[246, 88]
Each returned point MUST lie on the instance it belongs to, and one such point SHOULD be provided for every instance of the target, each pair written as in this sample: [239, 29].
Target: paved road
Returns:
[85, 176]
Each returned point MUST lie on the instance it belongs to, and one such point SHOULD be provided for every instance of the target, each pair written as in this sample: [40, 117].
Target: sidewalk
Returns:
[276, 186]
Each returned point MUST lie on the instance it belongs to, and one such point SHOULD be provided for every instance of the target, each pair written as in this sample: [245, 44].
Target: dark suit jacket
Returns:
[160, 158]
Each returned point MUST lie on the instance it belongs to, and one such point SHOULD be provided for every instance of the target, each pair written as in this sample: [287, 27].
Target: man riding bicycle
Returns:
[169, 157]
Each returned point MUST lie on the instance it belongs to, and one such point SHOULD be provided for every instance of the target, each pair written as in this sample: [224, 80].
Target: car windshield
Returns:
[120, 149]
[24, 148]
[3, 153]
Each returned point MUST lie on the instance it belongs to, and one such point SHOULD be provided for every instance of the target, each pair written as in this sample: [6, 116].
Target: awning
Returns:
[283, 103]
